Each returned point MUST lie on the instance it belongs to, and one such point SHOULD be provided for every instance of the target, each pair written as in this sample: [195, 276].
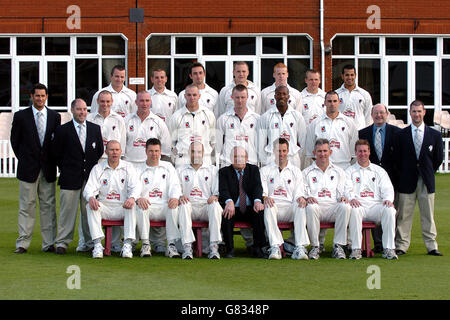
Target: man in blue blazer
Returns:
[418, 154]
[78, 146]
[381, 139]
[31, 139]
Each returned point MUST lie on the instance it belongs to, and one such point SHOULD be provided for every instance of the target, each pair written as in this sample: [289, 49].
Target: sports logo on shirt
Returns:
[305, 106]
[291, 124]
[203, 122]
[341, 100]
[151, 128]
[126, 101]
[343, 128]
[366, 193]
[251, 126]
[164, 176]
[349, 113]
[155, 193]
[139, 142]
[253, 97]
[231, 125]
[286, 136]
[122, 180]
[276, 125]
[332, 177]
[373, 179]
[335, 144]
[314, 180]
[105, 182]
[324, 193]
[289, 181]
[187, 125]
[280, 191]
[113, 195]
[272, 101]
[208, 100]
[131, 128]
[206, 178]
[360, 101]
[186, 178]
[196, 192]
[358, 180]
[146, 181]
[271, 180]
[113, 128]
[323, 129]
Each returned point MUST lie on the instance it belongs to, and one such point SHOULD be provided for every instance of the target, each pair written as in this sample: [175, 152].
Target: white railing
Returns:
[8, 165]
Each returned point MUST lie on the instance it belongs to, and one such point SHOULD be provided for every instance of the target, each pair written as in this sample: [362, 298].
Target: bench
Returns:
[197, 226]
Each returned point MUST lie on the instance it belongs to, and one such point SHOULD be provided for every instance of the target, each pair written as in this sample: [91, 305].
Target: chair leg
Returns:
[198, 232]
[108, 235]
[367, 245]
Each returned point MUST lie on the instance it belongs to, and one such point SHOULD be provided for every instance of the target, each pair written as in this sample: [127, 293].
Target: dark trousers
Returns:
[255, 219]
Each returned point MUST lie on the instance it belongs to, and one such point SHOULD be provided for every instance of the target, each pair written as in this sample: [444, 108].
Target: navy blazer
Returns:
[387, 157]
[229, 184]
[26, 146]
[430, 159]
[74, 163]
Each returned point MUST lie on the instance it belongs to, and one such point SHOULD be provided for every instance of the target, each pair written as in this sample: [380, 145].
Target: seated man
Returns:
[199, 201]
[283, 193]
[371, 198]
[326, 186]
[158, 199]
[240, 193]
[111, 191]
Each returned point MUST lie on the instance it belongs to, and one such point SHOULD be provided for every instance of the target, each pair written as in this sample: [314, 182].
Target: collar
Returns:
[121, 165]
[421, 127]
[320, 93]
[76, 124]
[153, 91]
[35, 111]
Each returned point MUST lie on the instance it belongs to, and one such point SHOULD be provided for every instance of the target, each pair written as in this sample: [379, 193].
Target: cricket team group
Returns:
[240, 155]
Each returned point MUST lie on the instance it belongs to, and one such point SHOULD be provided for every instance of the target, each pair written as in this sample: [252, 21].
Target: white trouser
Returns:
[376, 213]
[202, 212]
[111, 212]
[286, 212]
[339, 213]
[158, 212]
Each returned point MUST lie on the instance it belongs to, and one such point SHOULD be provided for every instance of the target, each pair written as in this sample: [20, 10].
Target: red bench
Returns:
[197, 226]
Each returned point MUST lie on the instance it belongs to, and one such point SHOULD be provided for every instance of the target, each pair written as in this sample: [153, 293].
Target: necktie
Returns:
[82, 135]
[242, 195]
[417, 143]
[40, 127]
[377, 144]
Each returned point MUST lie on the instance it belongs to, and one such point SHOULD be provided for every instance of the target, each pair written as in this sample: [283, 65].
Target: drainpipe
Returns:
[322, 46]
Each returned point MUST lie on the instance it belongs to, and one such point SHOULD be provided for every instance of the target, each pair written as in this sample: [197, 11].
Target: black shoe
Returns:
[60, 250]
[435, 253]
[229, 254]
[50, 249]
[378, 249]
[258, 253]
[20, 250]
[400, 252]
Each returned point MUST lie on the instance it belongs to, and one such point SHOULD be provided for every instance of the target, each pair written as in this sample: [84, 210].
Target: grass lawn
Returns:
[38, 275]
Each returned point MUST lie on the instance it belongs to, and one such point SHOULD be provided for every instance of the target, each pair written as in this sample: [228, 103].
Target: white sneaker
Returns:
[187, 253]
[356, 254]
[97, 253]
[314, 253]
[389, 254]
[300, 253]
[275, 253]
[145, 250]
[338, 252]
[127, 251]
[172, 251]
[214, 251]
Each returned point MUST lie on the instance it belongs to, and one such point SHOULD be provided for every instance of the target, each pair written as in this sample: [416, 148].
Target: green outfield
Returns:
[38, 275]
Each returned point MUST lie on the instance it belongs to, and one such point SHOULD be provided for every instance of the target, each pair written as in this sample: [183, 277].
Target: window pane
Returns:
[185, 45]
[424, 46]
[182, 73]
[107, 65]
[86, 45]
[215, 74]
[5, 86]
[4, 45]
[267, 71]
[446, 46]
[29, 46]
[343, 45]
[154, 64]
[400, 114]
[369, 45]
[215, 45]
[86, 79]
[57, 46]
[29, 76]
[297, 70]
[57, 84]
[398, 83]
[338, 64]
[243, 45]
[425, 82]
[369, 77]
[298, 45]
[397, 46]
[113, 45]
[445, 82]
[159, 45]
[272, 45]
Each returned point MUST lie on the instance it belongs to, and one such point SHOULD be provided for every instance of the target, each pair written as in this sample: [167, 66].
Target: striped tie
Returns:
[377, 144]
[40, 127]
[417, 143]
[242, 195]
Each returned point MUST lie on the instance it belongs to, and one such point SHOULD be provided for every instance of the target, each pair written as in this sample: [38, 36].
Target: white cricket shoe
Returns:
[300, 253]
[214, 251]
[338, 252]
[97, 253]
[172, 251]
[389, 254]
[356, 254]
[145, 250]
[314, 253]
[127, 251]
[187, 252]
[275, 253]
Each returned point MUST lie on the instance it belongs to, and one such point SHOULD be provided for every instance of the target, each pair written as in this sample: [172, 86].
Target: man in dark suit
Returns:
[78, 146]
[381, 139]
[31, 139]
[418, 154]
[240, 194]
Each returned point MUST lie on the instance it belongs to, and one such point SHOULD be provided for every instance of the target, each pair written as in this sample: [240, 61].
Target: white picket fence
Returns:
[8, 165]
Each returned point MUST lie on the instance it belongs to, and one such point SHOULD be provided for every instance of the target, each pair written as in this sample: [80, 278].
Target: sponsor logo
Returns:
[113, 195]
[324, 193]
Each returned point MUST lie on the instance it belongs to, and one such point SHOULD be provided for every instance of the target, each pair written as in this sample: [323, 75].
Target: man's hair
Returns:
[320, 142]
[191, 86]
[279, 65]
[362, 142]
[118, 67]
[158, 70]
[330, 93]
[385, 108]
[39, 86]
[196, 142]
[281, 87]
[141, 92]
[279, 141]
[111, 142]
[240, 63]
[152, 142]
[417, 103]
[74, 103]
[348, 67]
[104, 92]
[240, 88]
[195, 65]
[311, 71]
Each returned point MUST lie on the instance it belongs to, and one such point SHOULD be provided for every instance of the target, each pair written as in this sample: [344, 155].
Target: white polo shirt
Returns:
[138, 132]
[225, 102]
[313, 105]
[356, 104]
[198, 185]
[124, 102]
[268, 98]
[164, 104]
[208, 98]
[231, 132]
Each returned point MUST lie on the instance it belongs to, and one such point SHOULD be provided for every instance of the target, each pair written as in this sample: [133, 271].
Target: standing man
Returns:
[354, 102]
[284, 201]
[240, 75]
[381, 141]
[240, 194]
[193, 122]
[164, 101]
[31, 140]
[200, 186]
[372, 199]
[313, 97]
[418, 154]
[237, 126]
[208, 96]
[280, 74]
[78, 146]
[123, 98]
[281, 121]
